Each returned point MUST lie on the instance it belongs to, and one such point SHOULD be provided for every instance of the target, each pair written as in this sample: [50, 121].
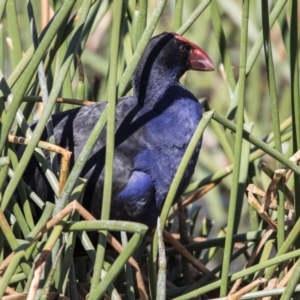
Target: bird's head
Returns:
[192, 55]
[167, 57]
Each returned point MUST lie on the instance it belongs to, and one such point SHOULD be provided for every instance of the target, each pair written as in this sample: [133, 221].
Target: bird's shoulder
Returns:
[78, 123]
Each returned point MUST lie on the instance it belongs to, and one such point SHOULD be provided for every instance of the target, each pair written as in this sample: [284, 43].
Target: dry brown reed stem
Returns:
[246, 289]
[287, 277]
[46, 13]
[200, 193]
[60, 100]
[258, 208]
[272, 190]
[170, 285]
[193, 197]
[182, 222]
[4, 224]
[295, 159]
[198, 239]
[270, 286]
[24, 296]
[9, 290]
[192, 239]
[180, 248]
[39, 268]
[253, 258]
[257, 191]
[82, 292]
[118, 247]
[65, 160]
[75, 205]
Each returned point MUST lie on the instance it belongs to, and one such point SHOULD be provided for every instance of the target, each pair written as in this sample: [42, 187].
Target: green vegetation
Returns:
[239, 218]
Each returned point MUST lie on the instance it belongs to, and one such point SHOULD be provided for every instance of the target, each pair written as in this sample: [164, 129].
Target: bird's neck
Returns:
[151, 83]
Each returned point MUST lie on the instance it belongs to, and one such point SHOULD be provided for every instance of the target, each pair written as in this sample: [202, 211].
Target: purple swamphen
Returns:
[153, 129]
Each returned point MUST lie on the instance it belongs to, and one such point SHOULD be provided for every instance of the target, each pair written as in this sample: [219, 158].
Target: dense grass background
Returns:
[239, 219]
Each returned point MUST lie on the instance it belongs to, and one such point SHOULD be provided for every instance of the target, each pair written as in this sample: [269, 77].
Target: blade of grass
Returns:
[70, 244]
[295, 98]
[20, 87]
[274, 110]
[258, 143]
[139, 22]
[172, 193]
[47, 110]
[219, 242]
[218, 175]
[128, 270]
[13, 33]
[110, 136]
[99, 290]
[43, 84]
[292, 237]
[220, 35]
[243, 176]
[240, 274]
[207, 277]
[279, 6]
[292, 283]
[157, 12]
[178, 14]
[193, 17]
[13, 245]
[231, 223]
[2, 57]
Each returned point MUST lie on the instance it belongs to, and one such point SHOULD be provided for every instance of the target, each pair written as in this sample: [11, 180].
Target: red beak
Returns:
[199, 60]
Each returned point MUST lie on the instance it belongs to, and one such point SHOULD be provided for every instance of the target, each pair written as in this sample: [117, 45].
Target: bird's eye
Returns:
[182, 48]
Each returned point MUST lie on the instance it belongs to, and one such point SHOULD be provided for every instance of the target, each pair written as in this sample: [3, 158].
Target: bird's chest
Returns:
[166, 139]
[173, 127]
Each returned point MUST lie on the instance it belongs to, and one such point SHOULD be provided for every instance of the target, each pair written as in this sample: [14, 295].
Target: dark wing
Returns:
[134, 199]
[65, 125]
[132, 190]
